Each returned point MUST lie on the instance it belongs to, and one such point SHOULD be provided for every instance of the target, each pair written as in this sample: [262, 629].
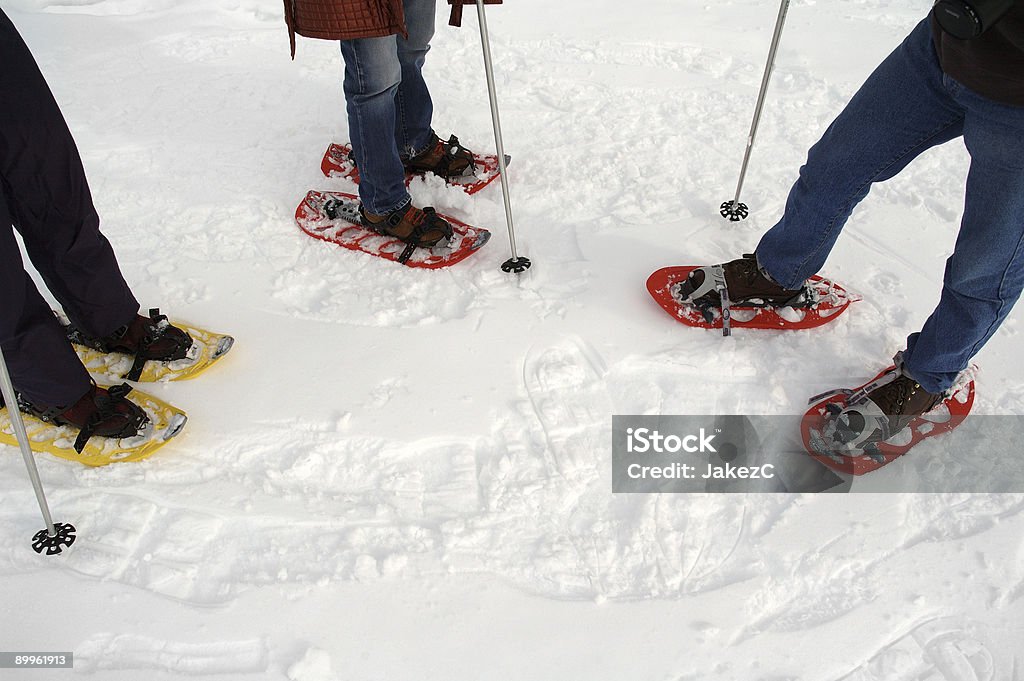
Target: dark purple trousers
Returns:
[45, 197]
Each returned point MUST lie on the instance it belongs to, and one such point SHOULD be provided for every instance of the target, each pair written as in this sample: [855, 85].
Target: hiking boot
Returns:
[743, 280]
[884, 410]
[145, 338]
[417, 228]
[104, 412]
[449, 160]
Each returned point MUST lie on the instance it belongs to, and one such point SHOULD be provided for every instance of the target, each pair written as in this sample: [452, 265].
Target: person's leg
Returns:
[48, 197]
[372, 76]
[985, 275]
[42, 364]
[414, 108]
[901, 110]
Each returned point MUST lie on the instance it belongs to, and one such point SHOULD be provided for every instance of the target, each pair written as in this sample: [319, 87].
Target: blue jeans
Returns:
[905, 107]
[389, 106]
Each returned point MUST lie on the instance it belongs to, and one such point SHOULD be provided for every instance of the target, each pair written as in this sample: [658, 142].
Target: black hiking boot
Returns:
[144, 338]
[744, 282]
[101, 412]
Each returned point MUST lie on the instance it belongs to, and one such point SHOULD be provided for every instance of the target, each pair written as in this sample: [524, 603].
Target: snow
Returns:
[404, 474]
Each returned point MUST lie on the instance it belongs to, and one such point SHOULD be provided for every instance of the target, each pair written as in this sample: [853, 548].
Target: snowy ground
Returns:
[402, 474]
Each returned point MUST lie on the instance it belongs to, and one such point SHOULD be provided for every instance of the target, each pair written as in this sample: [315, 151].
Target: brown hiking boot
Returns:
[145, 338]
[884, 410]
[410, 224]
[449, 160]
[743, 280]
[100, 411]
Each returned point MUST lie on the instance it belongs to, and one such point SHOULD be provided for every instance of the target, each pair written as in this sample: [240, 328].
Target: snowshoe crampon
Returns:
[827, 301]
[334, 217]
[818, 423]
[338, 162]
[165, 422]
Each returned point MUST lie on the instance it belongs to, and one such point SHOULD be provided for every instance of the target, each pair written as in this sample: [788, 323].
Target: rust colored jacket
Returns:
[353, 19]
[343, 19]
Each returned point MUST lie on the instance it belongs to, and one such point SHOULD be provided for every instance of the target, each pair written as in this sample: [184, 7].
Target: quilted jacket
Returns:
[353, 19]
[343, 19]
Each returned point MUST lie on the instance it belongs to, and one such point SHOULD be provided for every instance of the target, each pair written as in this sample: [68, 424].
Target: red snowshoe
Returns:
[819, 302]
[335, 217]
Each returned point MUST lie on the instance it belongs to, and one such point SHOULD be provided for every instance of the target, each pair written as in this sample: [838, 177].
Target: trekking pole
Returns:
[734, 210]
[516, 263]
[55, 537]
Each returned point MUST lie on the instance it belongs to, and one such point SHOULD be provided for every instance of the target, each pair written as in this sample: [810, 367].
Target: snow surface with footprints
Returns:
[404, 474]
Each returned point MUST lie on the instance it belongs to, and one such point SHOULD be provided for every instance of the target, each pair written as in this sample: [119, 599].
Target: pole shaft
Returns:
[779, 23]
[496, 123]
[11, 403]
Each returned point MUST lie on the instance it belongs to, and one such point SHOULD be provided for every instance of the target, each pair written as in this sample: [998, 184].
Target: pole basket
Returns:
[734, 210]
[516, 265]
[63, 537]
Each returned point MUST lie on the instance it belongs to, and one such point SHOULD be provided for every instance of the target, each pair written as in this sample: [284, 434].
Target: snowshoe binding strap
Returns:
[138, 364]
[159, 340]
[855, 397]
[829, 393]
[713, 282]
[861, 396]
[846, 428]
[158, 331]
[424, 222]
[723, 293]
[454, 161]
[105, 412]
[889, 376]
[106, 408]
[853, 429]
[860, 422]
[861, 425]
[707, 289]
[455, 152]
[428, 228]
